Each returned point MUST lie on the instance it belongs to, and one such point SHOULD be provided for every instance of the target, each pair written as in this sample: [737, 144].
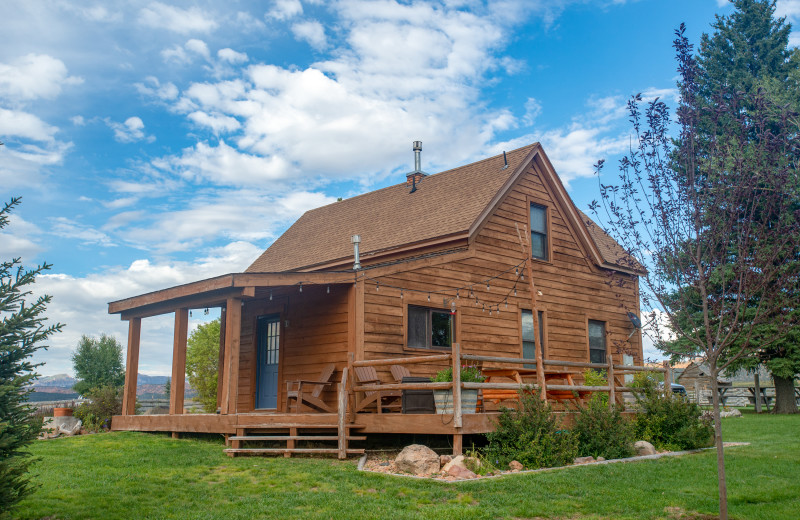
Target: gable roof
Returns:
[446, 206]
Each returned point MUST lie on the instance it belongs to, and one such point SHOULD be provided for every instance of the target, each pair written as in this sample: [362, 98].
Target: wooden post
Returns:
[290, 443]
[539, 354]
[458, 444]
[342, 415]
[221, 364]
[612, 392]
[757, 396]
[457, 419]
[667, 378]
[178, 361]
[232, 336]
[131, 367]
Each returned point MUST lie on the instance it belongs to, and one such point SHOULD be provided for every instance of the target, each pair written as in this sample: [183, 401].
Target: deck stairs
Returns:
[314, 439]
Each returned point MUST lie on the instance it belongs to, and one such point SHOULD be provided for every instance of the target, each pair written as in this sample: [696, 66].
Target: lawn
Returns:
[133, 475]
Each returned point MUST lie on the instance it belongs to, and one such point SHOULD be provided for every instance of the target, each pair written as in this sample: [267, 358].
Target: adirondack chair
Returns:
[380, 398]
[399, 372]
[308, 392]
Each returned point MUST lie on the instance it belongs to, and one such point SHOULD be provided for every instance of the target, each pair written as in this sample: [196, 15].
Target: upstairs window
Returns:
[528, 338]
[429, 328]
[539, 232]
[597, 341]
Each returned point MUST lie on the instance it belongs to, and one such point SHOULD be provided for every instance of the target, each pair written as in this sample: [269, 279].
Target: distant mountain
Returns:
[65, 381]
[144, 379]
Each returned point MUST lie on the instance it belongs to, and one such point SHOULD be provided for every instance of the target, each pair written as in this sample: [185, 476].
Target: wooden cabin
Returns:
[458, 259]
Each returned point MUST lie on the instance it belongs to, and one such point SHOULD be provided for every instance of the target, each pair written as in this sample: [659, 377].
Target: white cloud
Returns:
[216, 122]
[198, 47]
[77, 120]
[311, 32]
[66, 228]
[247, 22]
[130, 131]
[231, 56]
[22, 238]
[532, 110]
[285, 9]
[34, 76]
[153, 88]
[14, 123]
[182, 21]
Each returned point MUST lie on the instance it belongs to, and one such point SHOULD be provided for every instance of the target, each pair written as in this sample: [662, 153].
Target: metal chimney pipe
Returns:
[356, 239]
[417, 153]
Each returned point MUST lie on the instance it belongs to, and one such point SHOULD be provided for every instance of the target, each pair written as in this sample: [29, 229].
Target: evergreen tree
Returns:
[98, 362]
[748, 51]
[202, 363]
[22, 331]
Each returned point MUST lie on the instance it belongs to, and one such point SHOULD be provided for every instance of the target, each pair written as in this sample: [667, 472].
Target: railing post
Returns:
[457, 422]
[612, 383]
[667, 378]
[355, 396]
[342, 414]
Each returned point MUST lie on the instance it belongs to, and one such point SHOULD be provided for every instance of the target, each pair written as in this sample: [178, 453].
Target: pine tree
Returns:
[22, 331]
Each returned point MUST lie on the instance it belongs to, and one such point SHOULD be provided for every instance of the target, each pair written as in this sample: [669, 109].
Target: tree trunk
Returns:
[723, 488]
[784, 395]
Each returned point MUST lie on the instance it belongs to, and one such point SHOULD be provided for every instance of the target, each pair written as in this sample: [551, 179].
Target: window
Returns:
[429, 328]
[597, 341]
[539, 232]
[528, 342]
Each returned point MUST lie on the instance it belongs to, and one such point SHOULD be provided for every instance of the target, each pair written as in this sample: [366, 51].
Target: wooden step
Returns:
[284, 426]
[334, 451]
[294, 438]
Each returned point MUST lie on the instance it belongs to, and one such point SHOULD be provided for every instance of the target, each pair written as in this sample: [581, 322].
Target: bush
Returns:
[104, 402]
[530, 435]
[603, 432]
[469, 374]
[668, 421]
[596, 378]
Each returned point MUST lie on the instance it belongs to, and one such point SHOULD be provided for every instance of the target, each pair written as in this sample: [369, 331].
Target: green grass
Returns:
[133, 475]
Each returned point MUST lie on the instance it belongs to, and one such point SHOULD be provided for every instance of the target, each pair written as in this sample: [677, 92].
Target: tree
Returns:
[749, 50]
[167, 387]
[98, 362]
[22, 332]
[712, 217]
[202, 363]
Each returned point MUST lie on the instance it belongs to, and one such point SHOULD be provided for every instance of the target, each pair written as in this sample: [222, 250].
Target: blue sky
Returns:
[159, 143]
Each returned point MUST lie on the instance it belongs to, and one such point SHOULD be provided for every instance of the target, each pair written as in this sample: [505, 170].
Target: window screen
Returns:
[597, 341]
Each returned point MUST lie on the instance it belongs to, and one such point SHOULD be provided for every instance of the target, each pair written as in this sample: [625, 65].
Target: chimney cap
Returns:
[417, 146]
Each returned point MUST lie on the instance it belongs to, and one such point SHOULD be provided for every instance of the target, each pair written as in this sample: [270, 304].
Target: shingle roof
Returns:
[445, 204]
[611, 251]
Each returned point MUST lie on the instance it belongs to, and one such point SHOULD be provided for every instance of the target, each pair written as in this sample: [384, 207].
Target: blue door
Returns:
[269, 340]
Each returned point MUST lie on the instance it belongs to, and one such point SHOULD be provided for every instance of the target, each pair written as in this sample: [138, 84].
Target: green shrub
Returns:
[668, 421]
[531, 435]
[469, 374]
[603, 432]
[596, 378]
[102, 404]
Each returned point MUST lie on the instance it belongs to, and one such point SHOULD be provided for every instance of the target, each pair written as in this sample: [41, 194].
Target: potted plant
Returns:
[469, 398]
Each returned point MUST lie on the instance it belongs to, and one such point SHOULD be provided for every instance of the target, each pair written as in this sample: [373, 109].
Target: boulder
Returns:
[515, 465]
[417, 460]
[444, 459]
[583, 460]
[644, 448]
[731, 413]
[49, 428]
[460, 472]
[68, 425]
[458, 460]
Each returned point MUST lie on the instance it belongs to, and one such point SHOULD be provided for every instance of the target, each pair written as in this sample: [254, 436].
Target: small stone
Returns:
[644, 448]
[600, 459]
[583, 460]
[68, 425]
[515, 465]
[385, 463]
[444, 459]
[417, 460]
[461, 472]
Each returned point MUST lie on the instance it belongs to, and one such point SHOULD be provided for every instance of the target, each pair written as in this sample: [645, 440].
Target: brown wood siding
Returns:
[573, 289]
[317, 334]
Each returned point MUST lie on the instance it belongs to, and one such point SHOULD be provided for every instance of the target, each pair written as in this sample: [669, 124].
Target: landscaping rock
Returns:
[444, 459]
[644, 448]
[600, 459]
[458, 460]
[461, 472]
[731, 413]
[49, 429]
[583, 460]
[515, 466]
[418, 460]
[68, 425]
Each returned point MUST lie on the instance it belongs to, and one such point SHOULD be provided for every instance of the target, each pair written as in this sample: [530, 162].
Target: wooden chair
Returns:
[380, 398]
[399, 372]
[308, 392]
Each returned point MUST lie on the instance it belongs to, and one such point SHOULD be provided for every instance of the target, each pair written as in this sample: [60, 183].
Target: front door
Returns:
[269, 336]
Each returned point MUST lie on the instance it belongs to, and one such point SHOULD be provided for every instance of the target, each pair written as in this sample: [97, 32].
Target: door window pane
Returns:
[597, 341]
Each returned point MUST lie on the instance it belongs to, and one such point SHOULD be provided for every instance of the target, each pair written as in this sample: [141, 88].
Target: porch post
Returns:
[221, 363]
[131, 367]
[233, 325]
[178, 361]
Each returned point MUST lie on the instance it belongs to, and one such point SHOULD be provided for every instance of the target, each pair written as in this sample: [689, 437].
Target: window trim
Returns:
[548, 214]
[588, 339]
[431, 307]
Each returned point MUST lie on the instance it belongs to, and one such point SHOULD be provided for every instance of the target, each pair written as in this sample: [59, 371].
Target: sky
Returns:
[155, 143]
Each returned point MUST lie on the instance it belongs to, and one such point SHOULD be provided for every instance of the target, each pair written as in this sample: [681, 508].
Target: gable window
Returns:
[528, 338]
[429, 328]
[597, 341]
[539, 232]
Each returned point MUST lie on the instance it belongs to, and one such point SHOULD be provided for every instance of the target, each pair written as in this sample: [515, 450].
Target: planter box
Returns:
[62, 412]
[444, 401]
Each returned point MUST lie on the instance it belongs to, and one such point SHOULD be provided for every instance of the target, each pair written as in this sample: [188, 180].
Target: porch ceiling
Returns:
[213, 292]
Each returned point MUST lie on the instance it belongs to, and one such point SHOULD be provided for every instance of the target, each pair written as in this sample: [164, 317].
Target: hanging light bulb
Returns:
[301, 286]
[206, 311]
[515, 291]
[329, 289]
[457, 295]
[270, 295]
[429, 296]
[377, 286]
[490, 311]
[483, 309]
[487, 287]
[401, 294]
[516, 271]
[506, 303]
[190, 314]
